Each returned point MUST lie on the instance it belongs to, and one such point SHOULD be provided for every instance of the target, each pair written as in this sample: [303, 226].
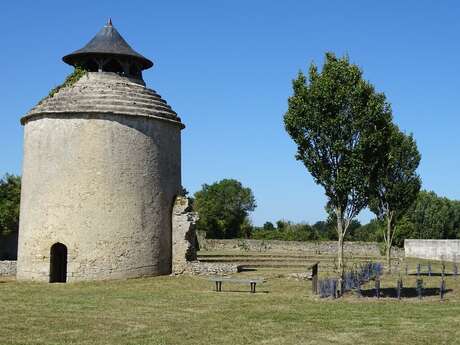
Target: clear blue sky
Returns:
[226, 68]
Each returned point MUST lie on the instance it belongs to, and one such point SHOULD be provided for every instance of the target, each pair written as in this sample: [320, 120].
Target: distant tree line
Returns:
[224, 208]
[289, 231]
[429, 217]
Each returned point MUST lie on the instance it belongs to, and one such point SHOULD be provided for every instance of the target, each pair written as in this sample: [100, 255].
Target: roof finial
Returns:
[110, 22]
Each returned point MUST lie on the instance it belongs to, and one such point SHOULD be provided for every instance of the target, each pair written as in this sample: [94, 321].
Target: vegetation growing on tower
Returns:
[70, 80]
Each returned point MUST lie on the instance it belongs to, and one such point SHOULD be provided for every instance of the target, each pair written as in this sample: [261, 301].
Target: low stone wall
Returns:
[212, 268]
[7, 268]
[448, 250]
[207, 268]
[319, 247]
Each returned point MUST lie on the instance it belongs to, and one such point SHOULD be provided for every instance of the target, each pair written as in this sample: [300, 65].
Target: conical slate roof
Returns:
[107, 41]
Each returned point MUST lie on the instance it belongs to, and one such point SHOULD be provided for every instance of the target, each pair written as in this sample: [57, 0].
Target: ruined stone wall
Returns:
[211, 268]
[7, 268]
[318, 247]
[103, 185]
[448, 250]
[183, 235]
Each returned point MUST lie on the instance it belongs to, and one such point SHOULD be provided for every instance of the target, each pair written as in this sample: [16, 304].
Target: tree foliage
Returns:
[340, 125]
[397, 188]
[291, 231]
[285, 231]
[429, 217]
[70, 80]
[434, 217]
[223, 209]
[10, 196]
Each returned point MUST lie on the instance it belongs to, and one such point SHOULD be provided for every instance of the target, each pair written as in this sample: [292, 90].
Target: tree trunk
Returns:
[340, 264]
[388, 242]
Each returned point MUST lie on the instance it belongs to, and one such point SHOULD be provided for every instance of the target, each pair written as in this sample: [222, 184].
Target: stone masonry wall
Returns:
[184, 244]
[7, 268]
[211, 268]
[319, 247]
[448, 250]
[183, 234]
[104, 186]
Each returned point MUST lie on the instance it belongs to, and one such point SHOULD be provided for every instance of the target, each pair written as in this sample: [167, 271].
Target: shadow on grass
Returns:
[242, 291]
[405, 292]
[425, 274]
[246, 269]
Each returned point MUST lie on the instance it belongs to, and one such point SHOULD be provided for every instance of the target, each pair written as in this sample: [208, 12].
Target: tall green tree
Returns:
[10, 196]
[223, 209]
[340, 125]
[432, 216]
[396, 190]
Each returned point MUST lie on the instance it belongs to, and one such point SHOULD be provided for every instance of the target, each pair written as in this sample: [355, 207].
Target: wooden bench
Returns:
[251, 281]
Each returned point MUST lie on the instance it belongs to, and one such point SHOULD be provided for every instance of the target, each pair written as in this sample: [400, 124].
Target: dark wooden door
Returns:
[58, 263]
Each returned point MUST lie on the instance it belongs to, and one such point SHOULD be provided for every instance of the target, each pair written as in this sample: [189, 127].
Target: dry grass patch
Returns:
[185, 310]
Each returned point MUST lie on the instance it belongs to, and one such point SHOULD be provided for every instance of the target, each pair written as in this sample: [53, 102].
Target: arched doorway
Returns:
[58, 263]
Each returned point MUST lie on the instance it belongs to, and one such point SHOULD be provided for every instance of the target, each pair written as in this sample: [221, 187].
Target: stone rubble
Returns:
[7, 268]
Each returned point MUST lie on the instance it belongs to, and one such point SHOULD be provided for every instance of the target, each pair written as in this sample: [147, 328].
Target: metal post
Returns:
[442, 289]
[455, 268]
[358, 285]
[419, 287]
[377, 287]
[399, 286]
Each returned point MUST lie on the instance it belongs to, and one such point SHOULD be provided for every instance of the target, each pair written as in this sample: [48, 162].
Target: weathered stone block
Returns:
[183, 234]
[7, 268]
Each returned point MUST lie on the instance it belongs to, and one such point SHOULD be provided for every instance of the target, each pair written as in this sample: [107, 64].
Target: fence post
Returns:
[377, 287]
[314, 279]
[334, 288]
[399, 286]
[442, 289]
[419, 287]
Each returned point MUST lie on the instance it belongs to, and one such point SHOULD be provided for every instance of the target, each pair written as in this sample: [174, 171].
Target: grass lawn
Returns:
[185, 310]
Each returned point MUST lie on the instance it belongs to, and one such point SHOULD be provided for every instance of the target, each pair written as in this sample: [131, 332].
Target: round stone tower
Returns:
[102, 166]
